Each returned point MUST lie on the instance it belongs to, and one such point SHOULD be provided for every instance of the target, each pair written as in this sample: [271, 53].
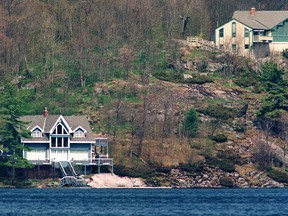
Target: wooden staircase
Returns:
[70, 177]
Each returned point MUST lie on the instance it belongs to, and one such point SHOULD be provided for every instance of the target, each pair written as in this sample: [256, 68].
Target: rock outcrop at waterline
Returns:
[213, 177]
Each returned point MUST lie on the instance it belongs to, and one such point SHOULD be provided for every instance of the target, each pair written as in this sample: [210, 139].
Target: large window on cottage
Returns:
[221, 33]
[246, 32]
[59, 142]
[60, 129]
[234, 29]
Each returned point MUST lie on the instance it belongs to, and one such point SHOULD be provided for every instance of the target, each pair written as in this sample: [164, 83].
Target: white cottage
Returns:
[58, 138]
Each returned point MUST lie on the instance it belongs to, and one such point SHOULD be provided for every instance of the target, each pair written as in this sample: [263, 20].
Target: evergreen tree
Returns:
[12, 129]
[276, 101]
[191, 123]
[271, 75]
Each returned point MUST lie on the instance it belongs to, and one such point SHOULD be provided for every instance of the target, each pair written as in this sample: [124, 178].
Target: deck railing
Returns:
[103, 161]
[262, 38]
[94, 161]
[202, 43]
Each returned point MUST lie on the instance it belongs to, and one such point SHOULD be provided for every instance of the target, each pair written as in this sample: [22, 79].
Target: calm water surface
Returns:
[143, 201]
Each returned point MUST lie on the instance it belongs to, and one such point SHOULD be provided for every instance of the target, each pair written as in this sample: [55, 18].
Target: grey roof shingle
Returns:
[262, 20]
[48, 123]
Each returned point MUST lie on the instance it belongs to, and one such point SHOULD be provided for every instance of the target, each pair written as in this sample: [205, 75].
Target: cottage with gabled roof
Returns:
[258, 33]
[56, 138]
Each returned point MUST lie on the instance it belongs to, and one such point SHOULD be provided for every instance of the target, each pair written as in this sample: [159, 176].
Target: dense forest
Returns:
[76, 43]
[120, 63]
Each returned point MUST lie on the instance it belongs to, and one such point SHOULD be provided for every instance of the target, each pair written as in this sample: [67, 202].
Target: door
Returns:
[59, 155]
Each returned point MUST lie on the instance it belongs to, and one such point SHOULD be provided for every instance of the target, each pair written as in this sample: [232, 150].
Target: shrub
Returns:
[168, 75]
[246, 80]
[223, 164]
[191, 123]
[278, 175]
[227, 182]
[142, 172]
[230, 155]
[219, 138]
[202, 66]
[199, 80]
[219, 111]
[239, 127]
[192, 167]
[285, 53]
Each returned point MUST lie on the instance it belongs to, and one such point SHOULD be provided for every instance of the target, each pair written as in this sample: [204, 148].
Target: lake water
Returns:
[73, 201]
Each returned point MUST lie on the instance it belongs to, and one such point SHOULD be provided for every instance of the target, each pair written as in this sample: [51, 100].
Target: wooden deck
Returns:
[200, 43]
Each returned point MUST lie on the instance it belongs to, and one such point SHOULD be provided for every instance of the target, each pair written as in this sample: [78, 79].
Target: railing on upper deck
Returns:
[262, 38]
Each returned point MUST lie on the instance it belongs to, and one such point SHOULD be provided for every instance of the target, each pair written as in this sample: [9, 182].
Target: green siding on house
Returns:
[80, 147]
[37, 146]
[280, 32]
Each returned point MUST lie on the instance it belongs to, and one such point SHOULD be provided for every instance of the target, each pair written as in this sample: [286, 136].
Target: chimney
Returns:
[45, 112]
[252, 11]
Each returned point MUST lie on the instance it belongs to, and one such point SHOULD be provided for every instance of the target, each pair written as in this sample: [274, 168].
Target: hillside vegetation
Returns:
[173, 115]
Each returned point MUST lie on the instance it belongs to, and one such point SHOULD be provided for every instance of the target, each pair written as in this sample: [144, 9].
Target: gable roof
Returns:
[49, 122]
[262, 20]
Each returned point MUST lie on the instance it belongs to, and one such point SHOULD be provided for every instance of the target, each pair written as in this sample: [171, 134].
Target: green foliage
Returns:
[223, 164]
[191, 123]
[192, 167]
[168, 75]
[229, 155]
[198, 54]
[219, 111]
[239, 127]
[246, 80]
[271, 75]
[199, 80]
[135, 172]
[219, 138]
[12, 129]
[277, 88]
[202, 66]
[285, 53]
[278, 175]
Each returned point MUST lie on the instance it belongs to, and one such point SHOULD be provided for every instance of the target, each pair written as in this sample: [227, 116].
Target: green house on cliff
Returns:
[254, 33]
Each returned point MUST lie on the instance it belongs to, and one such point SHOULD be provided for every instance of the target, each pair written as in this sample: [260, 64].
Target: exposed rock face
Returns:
[213, 177]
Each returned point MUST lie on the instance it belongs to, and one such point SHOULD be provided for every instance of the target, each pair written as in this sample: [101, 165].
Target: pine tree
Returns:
[191, 123]
[12, 129]
[272, 80]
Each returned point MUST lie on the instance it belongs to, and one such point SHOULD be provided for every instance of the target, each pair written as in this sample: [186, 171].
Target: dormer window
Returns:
[79, 134]
[36, 133]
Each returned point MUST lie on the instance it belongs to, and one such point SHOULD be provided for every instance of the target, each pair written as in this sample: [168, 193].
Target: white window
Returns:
[79, 134]
[36, 133]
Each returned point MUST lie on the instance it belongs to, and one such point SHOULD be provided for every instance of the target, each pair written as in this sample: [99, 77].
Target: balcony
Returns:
[262, 39]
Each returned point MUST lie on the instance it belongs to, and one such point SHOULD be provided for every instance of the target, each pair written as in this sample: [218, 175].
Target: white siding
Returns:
[36, 155]
[79, 155]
